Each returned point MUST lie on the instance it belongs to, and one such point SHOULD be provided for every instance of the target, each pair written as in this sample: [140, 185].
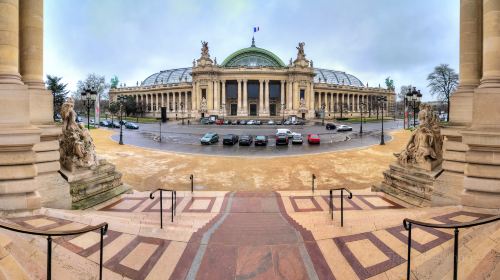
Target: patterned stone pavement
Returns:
[266, 235]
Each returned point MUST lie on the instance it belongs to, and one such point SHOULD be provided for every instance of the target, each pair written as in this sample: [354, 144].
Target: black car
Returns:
[131, 125]
[230, 139]
[209, 138]
[260, 140]
[246, 140]
[123, 122]
[281, 139]
[104, 123]
[330, 126]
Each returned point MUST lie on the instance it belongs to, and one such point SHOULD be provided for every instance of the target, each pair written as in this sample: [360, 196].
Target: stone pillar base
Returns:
[54, 191]
[20, 201]
[41, 106]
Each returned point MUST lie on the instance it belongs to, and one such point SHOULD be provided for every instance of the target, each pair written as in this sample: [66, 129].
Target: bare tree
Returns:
[443, 82]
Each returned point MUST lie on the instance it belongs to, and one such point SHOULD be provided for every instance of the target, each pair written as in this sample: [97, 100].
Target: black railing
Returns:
[313, 179]
[407, 223]
[341, 202]
[173, 195]
[103, 228]
[191, 177]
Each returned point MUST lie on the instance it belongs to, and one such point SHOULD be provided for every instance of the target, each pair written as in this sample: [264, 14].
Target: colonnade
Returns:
[348, 102]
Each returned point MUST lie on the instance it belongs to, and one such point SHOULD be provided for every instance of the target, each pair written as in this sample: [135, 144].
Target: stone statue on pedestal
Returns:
[76, 146]
[204, 60]
[301, 60]
[203, 105]
[424, 148]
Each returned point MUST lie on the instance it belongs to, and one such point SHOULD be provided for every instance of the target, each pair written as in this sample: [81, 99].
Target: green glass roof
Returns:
[252, 57]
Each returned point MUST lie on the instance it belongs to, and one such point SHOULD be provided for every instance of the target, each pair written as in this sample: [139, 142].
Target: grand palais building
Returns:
[255, 83]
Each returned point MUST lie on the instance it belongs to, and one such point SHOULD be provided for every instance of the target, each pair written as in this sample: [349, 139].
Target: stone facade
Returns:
[472, 141]
[341, 95]
[29, 147]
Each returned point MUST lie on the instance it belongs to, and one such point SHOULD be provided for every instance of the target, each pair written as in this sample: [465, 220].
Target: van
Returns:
[284, 131]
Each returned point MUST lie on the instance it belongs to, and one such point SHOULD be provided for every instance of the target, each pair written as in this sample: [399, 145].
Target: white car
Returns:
[344, 127]
[271, 122]
[251, 122]
[286, 131]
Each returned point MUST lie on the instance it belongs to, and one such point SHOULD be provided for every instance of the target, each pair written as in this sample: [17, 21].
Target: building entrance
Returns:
[272, 109]
[253, 109]
[234, 109]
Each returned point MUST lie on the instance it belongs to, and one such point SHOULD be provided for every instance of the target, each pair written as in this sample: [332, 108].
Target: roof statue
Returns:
[194, 63]
[215, 61]
[311, 63]
[301, 60]
[424, 148]
[205, 55]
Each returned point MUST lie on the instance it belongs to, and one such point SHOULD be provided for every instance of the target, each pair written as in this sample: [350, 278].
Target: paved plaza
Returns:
[254, 235]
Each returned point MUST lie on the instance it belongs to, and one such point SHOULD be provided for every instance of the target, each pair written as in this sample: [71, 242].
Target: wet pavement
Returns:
[186, 139]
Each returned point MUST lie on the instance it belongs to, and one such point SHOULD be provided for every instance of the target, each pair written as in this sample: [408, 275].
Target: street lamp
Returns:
[323, 114]
[381, 100]
[362, 104]
[89, 95]
[121, 99]
[415, 96]
[182, 112]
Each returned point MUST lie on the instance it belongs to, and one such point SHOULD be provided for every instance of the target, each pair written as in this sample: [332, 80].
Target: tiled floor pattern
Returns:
[253, 236]
[309, 203]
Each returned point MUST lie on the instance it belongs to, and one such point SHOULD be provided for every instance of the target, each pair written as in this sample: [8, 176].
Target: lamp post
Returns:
[362, 104]
[121, 99]
[182, 112]
[323, 106]
[414, 96]
[381, 100]
[89, 95]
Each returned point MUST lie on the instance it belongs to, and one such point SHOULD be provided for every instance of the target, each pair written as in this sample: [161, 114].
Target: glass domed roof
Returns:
[252, 57]
[172, 76]
[336, 77]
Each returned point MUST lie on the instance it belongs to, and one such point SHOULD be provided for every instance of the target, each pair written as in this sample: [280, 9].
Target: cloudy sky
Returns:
[371, 39]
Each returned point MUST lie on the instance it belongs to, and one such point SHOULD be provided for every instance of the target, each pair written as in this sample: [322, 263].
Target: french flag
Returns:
[255, 29]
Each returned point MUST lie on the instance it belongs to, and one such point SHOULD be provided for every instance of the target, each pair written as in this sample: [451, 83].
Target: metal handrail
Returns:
[191, 177]
[17, 228]
[341, 202]
[174, 202]
[407, 223]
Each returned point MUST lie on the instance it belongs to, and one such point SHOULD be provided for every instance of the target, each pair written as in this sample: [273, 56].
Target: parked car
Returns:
[297, 138]
[261, 140]
[281, 139]
[330, 126]
[285, 131]
[251, 122]
[121, 122]
[219, 122]
[257, 122]
[243, 122]
[245, 140]
[287, 122]
[104, 123]
[209, 138]
[131, 125]
[313, 138]
[279, 123]
[230, 139]
[344, 127]
[205, 121]
[79, 119]
[115, 124]
[234, 122]
[226, 122]
[271, 122]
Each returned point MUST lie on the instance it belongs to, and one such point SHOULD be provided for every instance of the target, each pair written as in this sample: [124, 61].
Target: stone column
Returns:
[216, 96]
[185, 101]
[31, 43]
[210, 96]
[311, 101]
[240, 107]
[224, 94]
[261, 96]
[245, 97]
[482, 169]
[296, 93]
[266, 99]
[282, 94]
[289, 95]
[167, 102]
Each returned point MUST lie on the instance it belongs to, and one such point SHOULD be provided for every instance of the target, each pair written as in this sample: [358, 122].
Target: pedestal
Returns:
[89, 187]
[412, 185]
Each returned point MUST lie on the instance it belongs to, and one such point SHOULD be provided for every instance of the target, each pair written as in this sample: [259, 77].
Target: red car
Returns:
[313, 139]
[219, 122]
